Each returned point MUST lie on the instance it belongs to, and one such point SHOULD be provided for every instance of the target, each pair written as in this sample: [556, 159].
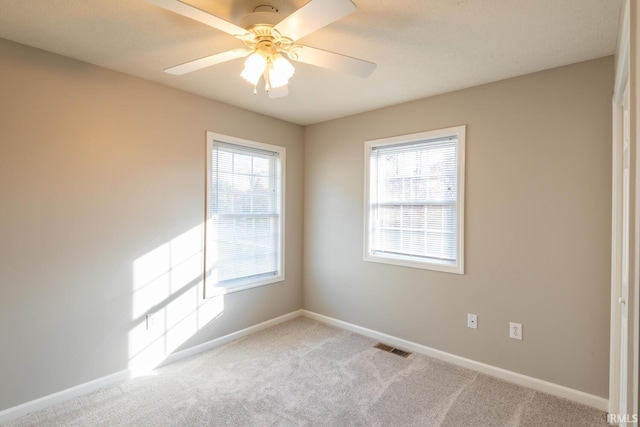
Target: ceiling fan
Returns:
[269, 40]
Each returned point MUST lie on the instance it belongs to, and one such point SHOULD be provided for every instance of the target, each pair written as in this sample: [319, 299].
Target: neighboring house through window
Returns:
[414, 200]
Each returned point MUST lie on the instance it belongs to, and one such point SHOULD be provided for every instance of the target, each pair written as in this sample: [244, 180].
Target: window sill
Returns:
[409, 262]
[217, 289]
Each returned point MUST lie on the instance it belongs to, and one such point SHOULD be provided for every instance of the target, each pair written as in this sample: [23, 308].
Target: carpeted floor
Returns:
[306, 373]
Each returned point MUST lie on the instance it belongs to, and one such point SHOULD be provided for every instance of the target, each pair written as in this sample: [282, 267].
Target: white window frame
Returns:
[456, 267]
[211, 286]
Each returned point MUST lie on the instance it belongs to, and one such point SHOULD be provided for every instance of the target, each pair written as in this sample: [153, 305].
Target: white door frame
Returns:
[617, 238]
[625, 237]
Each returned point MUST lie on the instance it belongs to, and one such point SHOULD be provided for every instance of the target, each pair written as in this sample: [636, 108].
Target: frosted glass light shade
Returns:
[254, 67]
[280, 71]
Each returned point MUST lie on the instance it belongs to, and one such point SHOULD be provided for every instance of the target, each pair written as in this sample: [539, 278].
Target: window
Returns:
[414, 200]
[244, 214]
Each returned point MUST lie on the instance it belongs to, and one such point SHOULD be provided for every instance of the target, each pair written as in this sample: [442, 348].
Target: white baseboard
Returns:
[91, 386]
[510, 376]
[231, 337]
[62, 396]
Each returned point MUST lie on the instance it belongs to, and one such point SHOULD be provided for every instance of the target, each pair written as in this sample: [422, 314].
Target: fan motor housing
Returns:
[261, 23]
[256, 19]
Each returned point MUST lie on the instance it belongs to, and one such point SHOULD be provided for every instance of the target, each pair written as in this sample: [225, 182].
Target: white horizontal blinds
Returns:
[414, 189]
[244, 215]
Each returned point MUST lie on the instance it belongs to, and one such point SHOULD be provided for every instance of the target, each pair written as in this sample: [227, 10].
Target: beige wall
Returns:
[98, 169]
[537, 244]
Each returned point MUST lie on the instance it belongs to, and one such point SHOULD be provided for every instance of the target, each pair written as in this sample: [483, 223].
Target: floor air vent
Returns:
[393, 350]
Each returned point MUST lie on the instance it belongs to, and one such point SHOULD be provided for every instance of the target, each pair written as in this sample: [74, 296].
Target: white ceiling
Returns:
[422, 47]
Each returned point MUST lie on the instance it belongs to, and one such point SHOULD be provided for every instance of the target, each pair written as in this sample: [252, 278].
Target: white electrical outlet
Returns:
[472, 321]
[515, 330]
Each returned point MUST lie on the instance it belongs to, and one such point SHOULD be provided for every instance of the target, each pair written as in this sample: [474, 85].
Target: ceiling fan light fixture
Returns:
[280, 71]
[275, 68]
[254, 67]
[269, 39]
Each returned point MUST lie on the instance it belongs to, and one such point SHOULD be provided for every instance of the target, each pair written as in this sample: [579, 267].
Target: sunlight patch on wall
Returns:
[168, 307]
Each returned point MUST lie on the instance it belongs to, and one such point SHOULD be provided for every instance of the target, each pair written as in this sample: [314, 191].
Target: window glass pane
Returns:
[413, 217]
[241, 164]
[223, 161]
[260, 166]
[389, 216]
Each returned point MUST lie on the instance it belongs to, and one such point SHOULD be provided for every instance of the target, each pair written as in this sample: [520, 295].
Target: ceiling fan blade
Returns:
[313, 16]
[332, 61]
[207, 61]
[196, 14]
[279, 92]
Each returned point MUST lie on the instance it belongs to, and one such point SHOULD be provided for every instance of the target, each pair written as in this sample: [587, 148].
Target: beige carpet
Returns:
[304, 373]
